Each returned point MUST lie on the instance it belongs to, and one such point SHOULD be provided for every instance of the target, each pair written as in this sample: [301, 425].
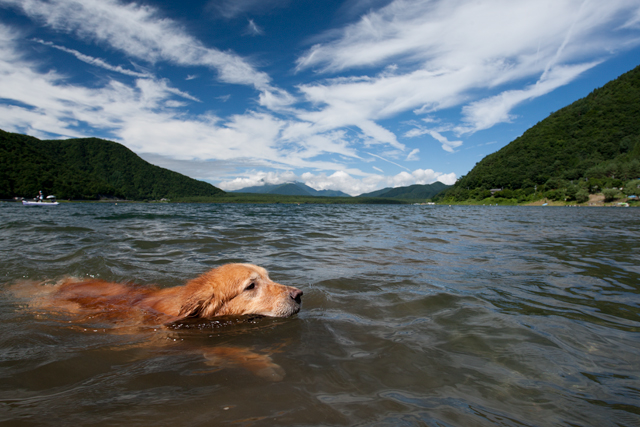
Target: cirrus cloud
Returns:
[341, 180]
[447, 53]
[460, 66]
[140, 32]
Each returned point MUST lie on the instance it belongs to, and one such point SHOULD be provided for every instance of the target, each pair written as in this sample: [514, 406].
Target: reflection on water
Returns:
[412, 315]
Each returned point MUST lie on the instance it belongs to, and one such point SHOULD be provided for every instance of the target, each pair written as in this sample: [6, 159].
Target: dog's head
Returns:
[238, 289]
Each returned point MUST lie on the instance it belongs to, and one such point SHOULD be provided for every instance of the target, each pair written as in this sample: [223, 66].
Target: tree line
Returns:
[589, 146]
[87, 169]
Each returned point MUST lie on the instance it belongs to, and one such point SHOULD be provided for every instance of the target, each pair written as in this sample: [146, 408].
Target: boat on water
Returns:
[49, 201]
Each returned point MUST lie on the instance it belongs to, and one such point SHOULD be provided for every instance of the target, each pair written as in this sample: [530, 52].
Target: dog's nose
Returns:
[295, 294]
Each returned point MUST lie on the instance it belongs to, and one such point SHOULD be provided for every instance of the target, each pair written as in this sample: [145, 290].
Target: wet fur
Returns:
[231, 289]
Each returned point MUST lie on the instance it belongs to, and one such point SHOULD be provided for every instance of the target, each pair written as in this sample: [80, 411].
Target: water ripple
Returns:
[412, 315]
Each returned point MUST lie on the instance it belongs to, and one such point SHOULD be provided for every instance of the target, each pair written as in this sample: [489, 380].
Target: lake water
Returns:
[411, 316]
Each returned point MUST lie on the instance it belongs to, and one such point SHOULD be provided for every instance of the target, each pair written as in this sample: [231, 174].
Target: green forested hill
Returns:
[596, 137]
[411, 192]
[86, 168]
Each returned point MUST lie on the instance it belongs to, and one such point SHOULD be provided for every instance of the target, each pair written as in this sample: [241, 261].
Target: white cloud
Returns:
[415, 132]
[487, 112]
[446, 144]
[486, 143]
[448, 178]
[425, 56]
[341, 180]
[95, 61]
[146, 117]
[355, 8]
[413, 155]
[444, 52]
[232, 8]
[633, 21]
[387, 160]
[419, 176]
[253, 29]
[360, 102]
[435, 134]
[276, 99]
[139, 32]
[450, 35]
[258, 179]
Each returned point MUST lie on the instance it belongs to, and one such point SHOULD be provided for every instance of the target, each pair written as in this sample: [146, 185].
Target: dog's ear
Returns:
[200, 300]
[195, 307]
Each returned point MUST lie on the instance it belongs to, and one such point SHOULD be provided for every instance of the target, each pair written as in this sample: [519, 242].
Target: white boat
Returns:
[49, 201]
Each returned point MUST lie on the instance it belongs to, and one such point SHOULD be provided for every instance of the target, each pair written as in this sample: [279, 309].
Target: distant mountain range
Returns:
[87, 168]
[412, 192]
[291, 189]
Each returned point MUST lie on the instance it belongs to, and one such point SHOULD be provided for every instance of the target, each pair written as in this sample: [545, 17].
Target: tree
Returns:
[610, 194]
[597, 136]
[87, 168]
[582, 196]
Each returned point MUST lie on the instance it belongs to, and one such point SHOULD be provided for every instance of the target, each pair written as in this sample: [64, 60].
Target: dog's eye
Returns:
[251, 286]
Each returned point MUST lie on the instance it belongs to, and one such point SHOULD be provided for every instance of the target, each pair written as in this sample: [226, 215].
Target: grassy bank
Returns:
[595, 200]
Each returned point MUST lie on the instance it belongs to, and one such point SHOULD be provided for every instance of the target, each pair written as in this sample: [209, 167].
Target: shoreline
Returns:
[595, 200]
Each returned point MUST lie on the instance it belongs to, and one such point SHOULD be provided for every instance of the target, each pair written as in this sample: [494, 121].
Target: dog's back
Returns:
[231, 289]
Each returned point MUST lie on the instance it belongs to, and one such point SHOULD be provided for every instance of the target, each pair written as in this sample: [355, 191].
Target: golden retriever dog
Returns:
[231, 289]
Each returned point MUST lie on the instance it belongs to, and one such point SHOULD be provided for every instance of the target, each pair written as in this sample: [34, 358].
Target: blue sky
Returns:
[352, 95]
